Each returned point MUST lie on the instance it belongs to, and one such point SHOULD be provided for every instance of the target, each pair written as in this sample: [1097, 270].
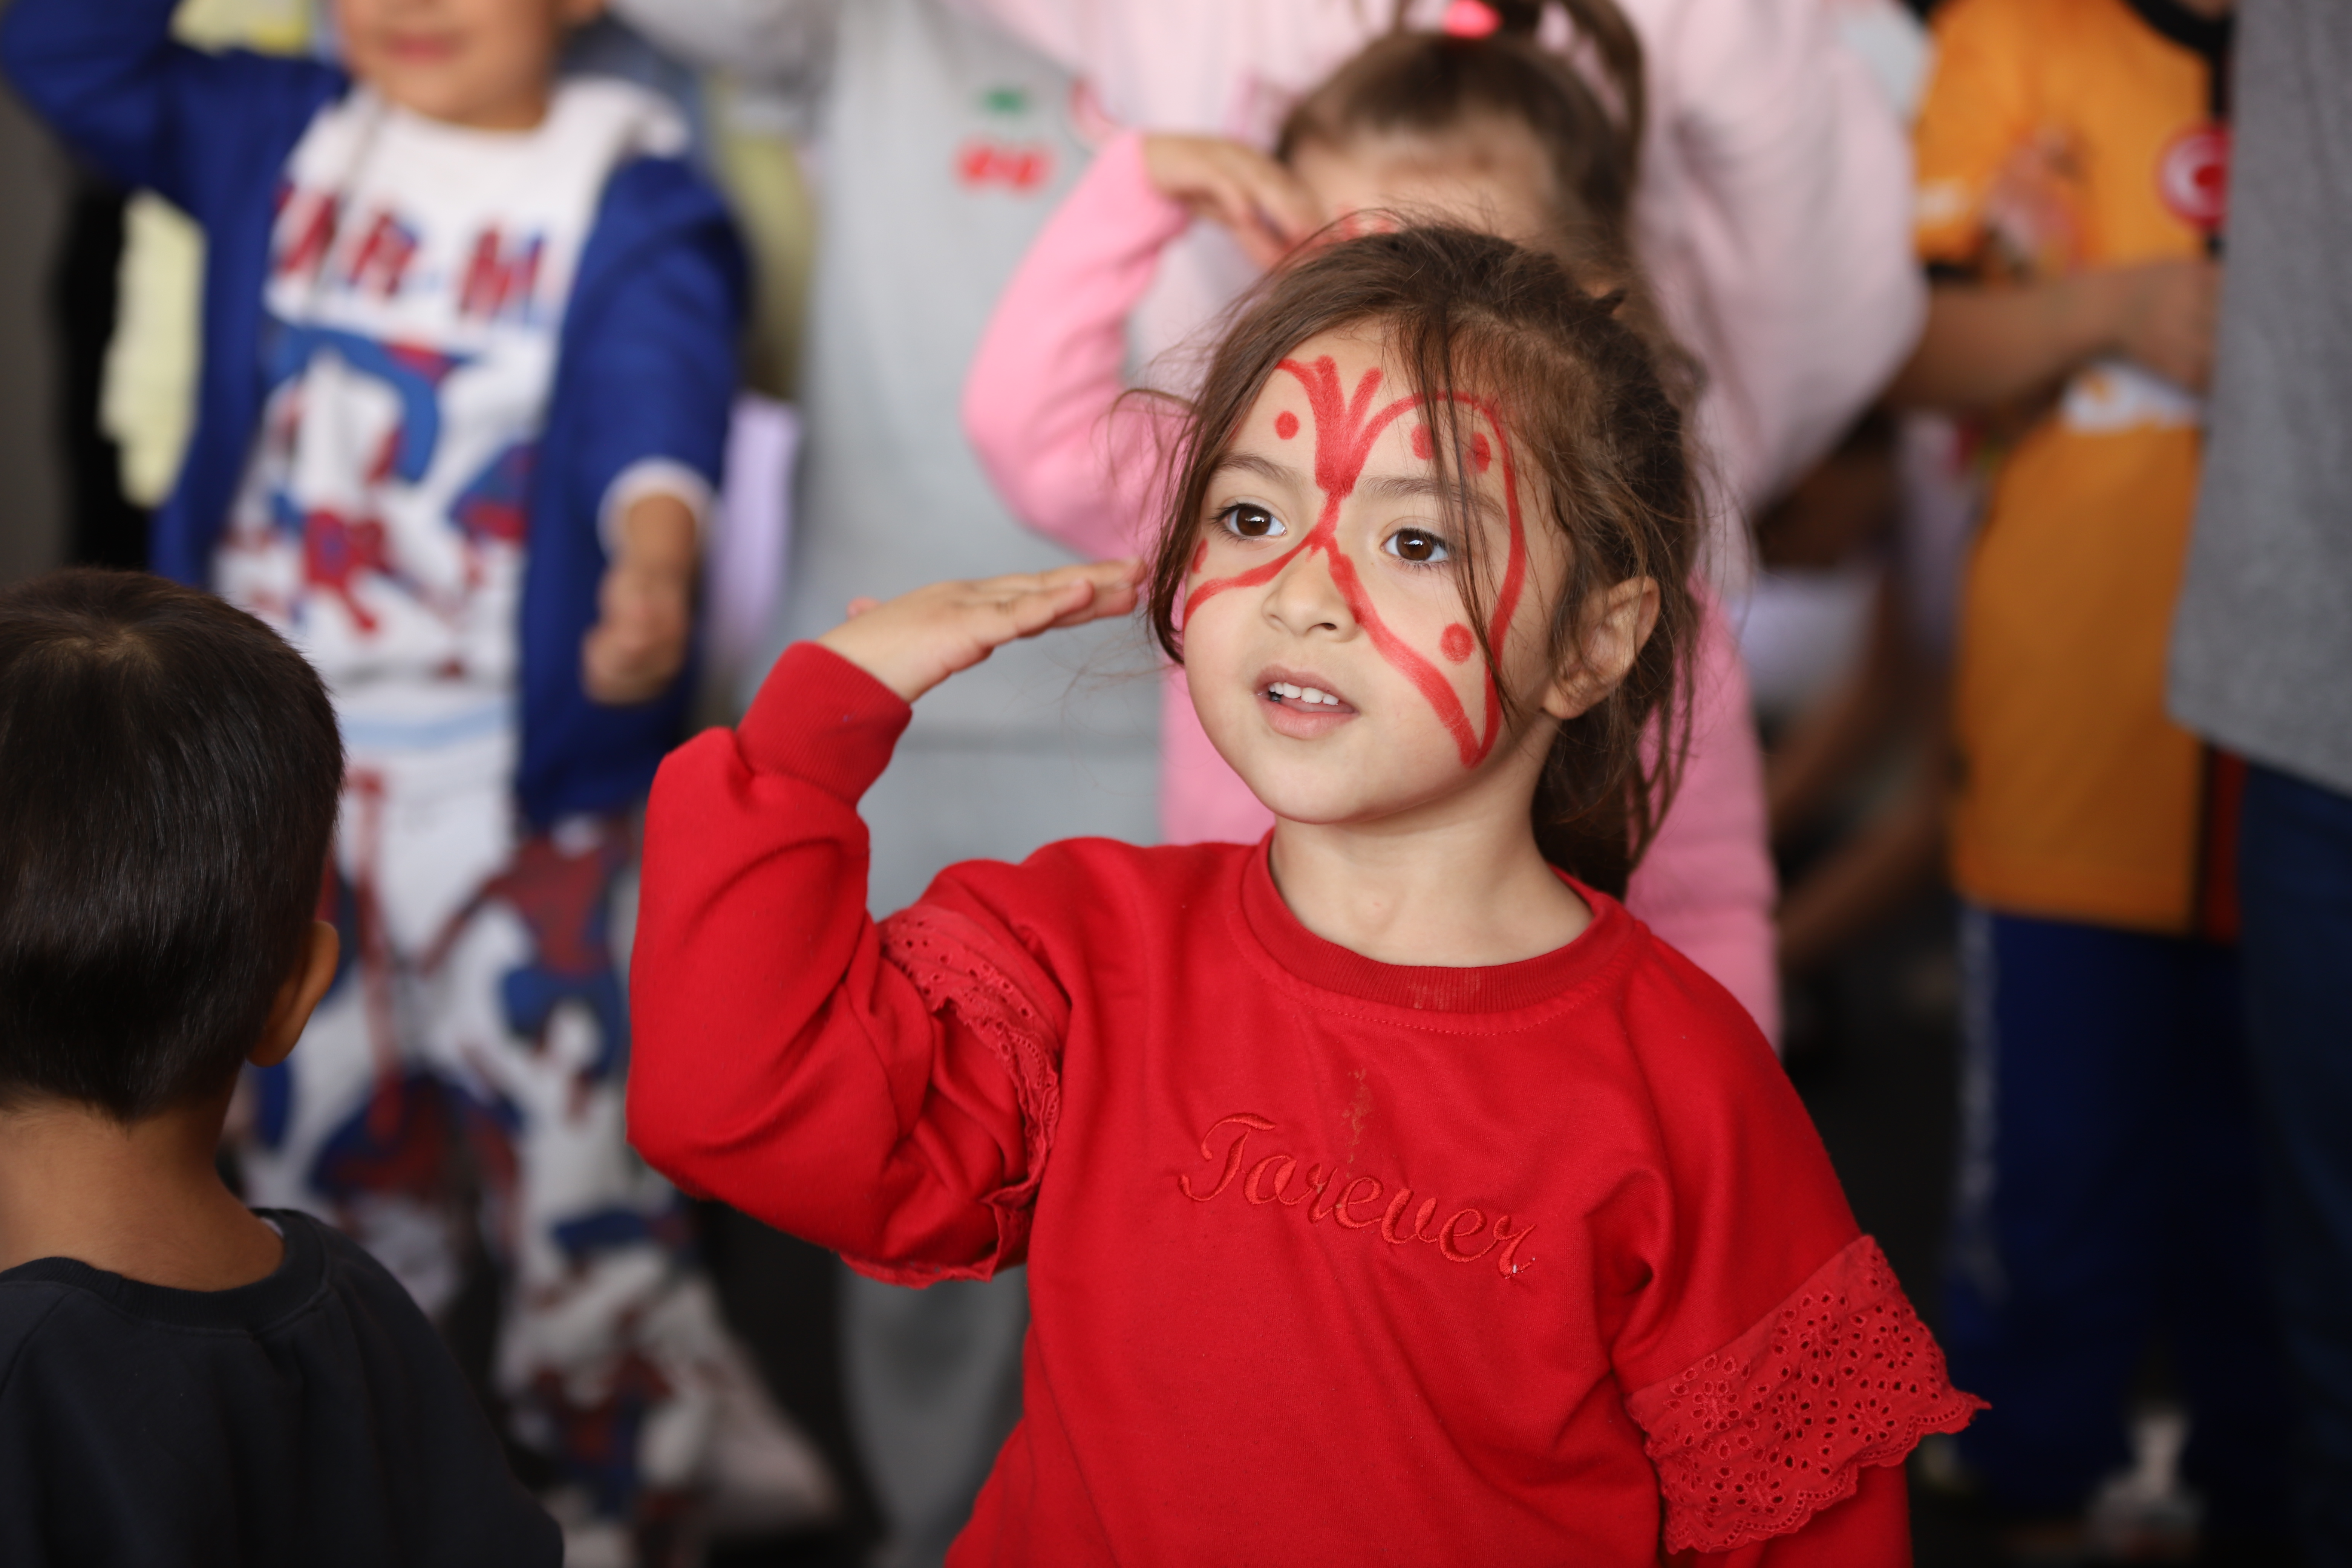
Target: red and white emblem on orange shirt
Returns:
[2192, 176]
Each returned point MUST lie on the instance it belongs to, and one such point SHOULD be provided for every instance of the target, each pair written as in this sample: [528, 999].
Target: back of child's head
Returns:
[1485, 327]
[1451, 90]
[169, 768]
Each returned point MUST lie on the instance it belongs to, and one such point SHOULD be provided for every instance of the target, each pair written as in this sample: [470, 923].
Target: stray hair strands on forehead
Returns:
[1471, 317]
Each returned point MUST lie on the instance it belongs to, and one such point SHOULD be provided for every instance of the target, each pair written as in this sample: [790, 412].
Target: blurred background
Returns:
[826, 130]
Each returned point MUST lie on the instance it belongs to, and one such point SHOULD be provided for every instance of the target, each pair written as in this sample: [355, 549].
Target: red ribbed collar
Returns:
[1498, 988]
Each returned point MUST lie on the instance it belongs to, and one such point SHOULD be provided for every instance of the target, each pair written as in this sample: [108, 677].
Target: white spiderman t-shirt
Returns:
[419, 273]
[418, 278]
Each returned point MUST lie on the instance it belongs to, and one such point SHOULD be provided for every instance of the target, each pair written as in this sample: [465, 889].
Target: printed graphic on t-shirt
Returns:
[1004, 151]
[418, 278]
[2192, 177]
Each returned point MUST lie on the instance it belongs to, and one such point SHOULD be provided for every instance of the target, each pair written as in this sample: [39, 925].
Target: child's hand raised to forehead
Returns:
[1261, 203]
[915, 641]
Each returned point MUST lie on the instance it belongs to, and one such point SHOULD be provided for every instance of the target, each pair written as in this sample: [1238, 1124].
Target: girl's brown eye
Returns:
[1418, 546]
[1247, 521]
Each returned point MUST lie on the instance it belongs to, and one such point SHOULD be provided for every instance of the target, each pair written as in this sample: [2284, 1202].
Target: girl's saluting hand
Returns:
[915, 641]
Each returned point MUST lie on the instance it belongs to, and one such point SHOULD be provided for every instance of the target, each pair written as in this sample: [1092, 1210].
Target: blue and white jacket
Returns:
[646, 369]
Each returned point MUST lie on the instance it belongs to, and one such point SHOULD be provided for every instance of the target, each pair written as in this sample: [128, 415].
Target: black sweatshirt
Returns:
[312, 1417]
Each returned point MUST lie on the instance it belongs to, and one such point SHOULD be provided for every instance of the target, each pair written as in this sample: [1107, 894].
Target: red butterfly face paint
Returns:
[1348, 426]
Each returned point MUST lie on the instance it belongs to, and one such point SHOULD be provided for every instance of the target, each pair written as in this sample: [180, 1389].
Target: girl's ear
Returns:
[1617, 621]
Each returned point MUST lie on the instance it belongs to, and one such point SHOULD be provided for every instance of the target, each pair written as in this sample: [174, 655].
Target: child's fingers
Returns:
[917, 640]
[1026, 611]
[1288, 206]
[1102, 573]
[1068, 596]
[1277, 200]
[1107, 603]
[1237, 210]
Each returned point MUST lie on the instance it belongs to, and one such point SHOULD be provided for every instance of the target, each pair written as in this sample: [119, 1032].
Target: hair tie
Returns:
[1470, 19]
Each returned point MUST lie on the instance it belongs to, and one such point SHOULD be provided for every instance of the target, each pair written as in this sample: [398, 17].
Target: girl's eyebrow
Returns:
[1264, 468]
[1425, 487]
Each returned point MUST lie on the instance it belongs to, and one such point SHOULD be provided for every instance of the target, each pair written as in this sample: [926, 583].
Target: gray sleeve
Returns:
[2261, 655]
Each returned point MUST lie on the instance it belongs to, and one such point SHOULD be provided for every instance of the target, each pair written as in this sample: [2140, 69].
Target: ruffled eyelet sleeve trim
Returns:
[967, 982]
[1755, 1440]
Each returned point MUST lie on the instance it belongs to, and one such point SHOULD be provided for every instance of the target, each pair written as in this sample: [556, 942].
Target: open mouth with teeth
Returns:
[1300, 709]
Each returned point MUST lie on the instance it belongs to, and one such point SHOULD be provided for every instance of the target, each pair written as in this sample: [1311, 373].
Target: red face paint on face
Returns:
[1482, 451]
[1345, 431]
[1286, 425]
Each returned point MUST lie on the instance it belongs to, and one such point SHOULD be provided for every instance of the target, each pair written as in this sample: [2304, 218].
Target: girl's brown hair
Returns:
[1470, 316]
[1439, 85]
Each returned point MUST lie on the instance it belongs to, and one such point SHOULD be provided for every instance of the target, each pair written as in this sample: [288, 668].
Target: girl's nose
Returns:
[1304, 597]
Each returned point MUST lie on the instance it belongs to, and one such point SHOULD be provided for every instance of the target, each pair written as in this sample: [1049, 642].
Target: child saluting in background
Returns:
[1379, 1183]
[469, 347]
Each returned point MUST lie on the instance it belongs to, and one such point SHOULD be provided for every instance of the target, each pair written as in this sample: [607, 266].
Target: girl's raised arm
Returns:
[784, 1059]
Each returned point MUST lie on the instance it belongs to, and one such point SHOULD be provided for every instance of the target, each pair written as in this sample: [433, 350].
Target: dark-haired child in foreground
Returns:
[184, 1380]
[1386, 1191]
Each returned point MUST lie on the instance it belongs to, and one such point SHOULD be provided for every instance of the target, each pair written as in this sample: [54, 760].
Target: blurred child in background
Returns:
[469, 345]
[2072, 167]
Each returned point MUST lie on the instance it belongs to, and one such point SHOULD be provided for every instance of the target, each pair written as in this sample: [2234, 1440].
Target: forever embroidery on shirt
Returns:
[1465, 1236]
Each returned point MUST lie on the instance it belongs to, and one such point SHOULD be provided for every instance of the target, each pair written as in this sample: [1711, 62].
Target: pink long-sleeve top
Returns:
[1043, 409]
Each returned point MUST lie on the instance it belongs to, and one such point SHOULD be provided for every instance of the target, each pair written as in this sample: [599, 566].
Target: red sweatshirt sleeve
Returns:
[1769, 1356]
[883, 1091]
[1041, 403]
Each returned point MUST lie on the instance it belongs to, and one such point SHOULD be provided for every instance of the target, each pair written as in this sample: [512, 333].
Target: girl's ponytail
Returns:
[1603, 27]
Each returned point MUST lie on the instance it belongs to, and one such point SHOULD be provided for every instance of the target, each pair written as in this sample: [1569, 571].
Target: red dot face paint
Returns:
[1347, 426]
[1286, 425]
[1482, 451]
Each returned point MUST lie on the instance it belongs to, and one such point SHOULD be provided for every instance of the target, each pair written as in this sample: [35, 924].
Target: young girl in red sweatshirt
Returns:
[1493, 130]
[1387, 1193]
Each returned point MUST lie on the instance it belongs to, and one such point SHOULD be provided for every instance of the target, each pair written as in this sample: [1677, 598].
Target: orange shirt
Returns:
[2059, 135]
